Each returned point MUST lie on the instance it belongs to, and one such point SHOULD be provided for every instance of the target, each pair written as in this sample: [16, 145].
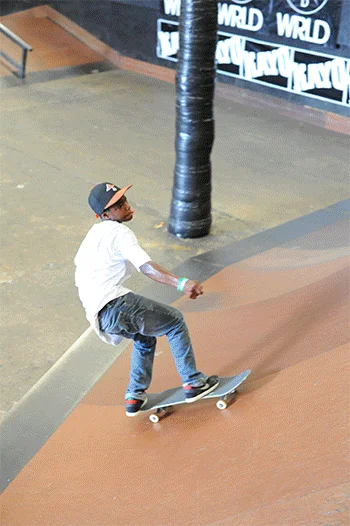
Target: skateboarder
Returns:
[104, 261]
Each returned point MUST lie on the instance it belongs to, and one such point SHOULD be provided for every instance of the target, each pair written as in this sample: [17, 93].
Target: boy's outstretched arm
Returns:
[191, 288]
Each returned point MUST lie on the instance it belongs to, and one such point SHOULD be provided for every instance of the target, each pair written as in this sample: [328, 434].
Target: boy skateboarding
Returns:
[104, 262]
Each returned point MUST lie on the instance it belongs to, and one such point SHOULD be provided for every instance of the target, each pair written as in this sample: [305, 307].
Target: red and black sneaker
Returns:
[193, 393]
[134, 406]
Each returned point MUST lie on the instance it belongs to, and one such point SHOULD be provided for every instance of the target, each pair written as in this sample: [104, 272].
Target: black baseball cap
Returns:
[104, 195]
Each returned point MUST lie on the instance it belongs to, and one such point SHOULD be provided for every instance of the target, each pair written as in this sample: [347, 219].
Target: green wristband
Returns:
[181, 284]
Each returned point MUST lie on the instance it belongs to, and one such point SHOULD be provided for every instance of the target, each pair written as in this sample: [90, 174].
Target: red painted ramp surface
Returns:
[53, 47]
[278, 455]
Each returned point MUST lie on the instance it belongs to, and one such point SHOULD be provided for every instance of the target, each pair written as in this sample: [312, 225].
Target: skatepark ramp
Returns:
[55, 52]
[277, 456]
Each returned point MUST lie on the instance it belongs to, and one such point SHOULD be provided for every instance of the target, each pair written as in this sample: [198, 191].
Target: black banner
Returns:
[303, 21]
[287, 68]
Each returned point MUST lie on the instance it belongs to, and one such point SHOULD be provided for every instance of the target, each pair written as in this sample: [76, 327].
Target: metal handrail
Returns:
[25, 48]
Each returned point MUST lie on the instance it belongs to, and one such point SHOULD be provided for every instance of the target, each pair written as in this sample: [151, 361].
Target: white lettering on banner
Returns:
[250, 19]
[249, 66]
[307, 6]
[339, 74]
[168, 43]
[299, 27]
[255, 64]
[230, 51]
[326, 75]
[266, 63]
[319, 75]
[300, 78]
[282, 67]
[231, 15]
[284, 60]
[172, 7]
[222, 52]
[323, 70]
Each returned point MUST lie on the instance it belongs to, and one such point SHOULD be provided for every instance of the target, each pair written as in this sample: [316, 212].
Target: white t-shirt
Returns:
[105, 260]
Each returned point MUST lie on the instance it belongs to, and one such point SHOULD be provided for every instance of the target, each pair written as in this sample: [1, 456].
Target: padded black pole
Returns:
[190, 214]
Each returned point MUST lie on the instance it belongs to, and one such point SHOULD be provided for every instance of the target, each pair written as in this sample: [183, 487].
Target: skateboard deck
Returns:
[161, 403]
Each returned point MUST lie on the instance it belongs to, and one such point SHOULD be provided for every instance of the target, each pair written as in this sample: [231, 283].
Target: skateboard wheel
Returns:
[221, 404]
[154, 418]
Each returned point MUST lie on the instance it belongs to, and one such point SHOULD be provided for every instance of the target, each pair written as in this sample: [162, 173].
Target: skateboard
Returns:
[161, 403]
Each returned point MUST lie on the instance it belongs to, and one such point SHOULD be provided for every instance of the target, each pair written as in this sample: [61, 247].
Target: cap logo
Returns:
[110, 187]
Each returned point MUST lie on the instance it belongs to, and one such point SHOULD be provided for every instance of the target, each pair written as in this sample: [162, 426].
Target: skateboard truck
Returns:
[161, 412]
[226, 400]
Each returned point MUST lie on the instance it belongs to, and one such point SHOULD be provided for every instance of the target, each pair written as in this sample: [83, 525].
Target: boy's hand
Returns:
[193, 289]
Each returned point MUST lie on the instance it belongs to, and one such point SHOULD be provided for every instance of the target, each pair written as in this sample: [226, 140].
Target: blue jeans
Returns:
[142, 320]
